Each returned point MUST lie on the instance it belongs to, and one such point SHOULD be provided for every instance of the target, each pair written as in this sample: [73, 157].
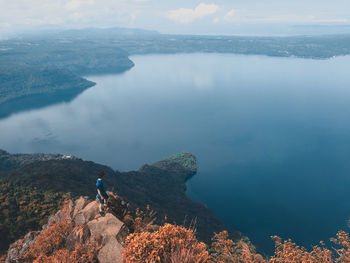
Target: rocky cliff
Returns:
[86, 224]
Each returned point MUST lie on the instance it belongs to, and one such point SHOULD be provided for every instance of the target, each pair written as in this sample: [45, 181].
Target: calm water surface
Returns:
[272, 135]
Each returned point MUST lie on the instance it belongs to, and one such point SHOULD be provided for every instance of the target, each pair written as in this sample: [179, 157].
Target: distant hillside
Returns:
[310, 47]
[38, 73]
[138, 41]
[24, 80]
[13, 161]
[106, 33]
[161, 185]
[88, 33]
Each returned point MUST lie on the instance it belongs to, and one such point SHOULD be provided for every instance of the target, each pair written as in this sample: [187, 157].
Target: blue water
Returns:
[272, 135]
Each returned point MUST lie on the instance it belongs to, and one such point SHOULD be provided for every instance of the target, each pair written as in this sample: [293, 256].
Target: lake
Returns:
[272, 135]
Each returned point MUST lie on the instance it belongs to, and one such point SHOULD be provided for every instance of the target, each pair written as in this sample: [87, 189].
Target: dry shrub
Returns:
[49, 246]
[289, 252]
[343, 252]
[83, 253]
[225, 250]
[144, 221]
[49, 240]
[168, 244]
[187, 255]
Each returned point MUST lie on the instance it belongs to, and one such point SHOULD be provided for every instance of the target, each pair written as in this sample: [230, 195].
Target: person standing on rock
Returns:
[101, 192]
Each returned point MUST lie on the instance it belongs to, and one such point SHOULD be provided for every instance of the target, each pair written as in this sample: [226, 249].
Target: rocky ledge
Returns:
[87, 224]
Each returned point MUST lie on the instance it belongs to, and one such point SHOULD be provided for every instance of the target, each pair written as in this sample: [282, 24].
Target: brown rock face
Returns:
[108, 227]
[87, 224]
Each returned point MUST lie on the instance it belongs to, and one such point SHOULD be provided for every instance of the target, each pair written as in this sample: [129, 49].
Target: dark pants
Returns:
[105, 196]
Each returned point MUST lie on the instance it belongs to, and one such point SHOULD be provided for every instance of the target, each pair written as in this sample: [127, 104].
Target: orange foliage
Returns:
[289, 252]
[144, 221]
[344, 251]
[49, 246]
[225, 250]
[49, 240]
[168, 244]
[86, 253]
[176, 244]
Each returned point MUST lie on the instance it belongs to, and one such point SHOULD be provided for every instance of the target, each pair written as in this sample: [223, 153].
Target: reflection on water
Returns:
[272, 135]
[37, 101]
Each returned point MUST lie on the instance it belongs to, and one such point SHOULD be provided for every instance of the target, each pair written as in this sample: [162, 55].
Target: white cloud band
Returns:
[184, 15]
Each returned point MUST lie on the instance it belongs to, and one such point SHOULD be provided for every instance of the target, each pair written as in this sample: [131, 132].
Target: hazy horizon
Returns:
[224, 17]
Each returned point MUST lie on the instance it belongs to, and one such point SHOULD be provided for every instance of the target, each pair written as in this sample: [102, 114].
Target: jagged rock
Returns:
[90, 211]
[53, 219]
[79, 219]
[80, 203]
[87, 223]
[59, 215]
[20, 247]
[105, 226]
[70, 209]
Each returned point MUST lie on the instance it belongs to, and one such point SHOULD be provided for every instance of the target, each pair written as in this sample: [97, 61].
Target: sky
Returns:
[180, 16]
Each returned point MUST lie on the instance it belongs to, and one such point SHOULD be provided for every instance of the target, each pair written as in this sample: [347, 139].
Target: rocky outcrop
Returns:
[20, 247]
[87, 223]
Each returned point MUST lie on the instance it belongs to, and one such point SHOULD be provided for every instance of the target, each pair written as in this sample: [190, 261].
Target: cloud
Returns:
[133, 16]
[230, 15]
[216, 20]
[244, 16]
[71, 13]
[73, 5]
[184, 15]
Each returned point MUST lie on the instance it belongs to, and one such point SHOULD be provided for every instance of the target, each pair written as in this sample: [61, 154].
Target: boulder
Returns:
[111, 252]
[20, 247]
[79, 204]
[105, 226]
[109, 228]
[89, 212]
